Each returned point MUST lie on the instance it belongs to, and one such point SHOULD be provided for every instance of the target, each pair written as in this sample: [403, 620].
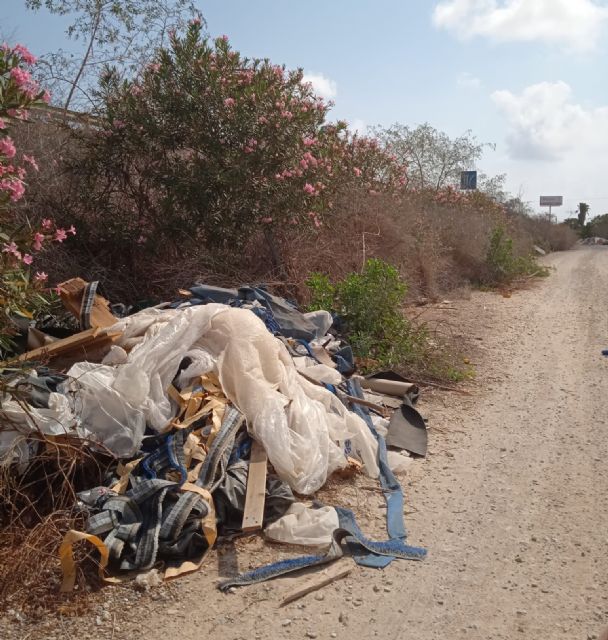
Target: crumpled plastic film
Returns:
[305, 526]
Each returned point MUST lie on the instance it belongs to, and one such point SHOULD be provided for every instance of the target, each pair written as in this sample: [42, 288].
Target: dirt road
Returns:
[512, 502]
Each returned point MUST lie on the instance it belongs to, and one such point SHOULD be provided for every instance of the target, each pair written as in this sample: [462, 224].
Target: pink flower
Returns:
[357, 171]
[308, 188]
[266, 220]
[27, 259]
[304, 164]
[225, 38]
[46, 97]
[229, 102]
[60, 235]
[25, 54]
[309, 142]
[119, 124]
[38, 240]
[72, 230]
[195, 21]
[2, 124]
[15, 187]
[41, 276]
[263, 120]
[21, 76]
[12, 249]
[7, 147]
[154, 67]
[47, 224]
[31, 161]
[136, 90]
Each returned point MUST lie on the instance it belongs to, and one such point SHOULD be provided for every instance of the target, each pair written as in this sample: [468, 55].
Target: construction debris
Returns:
[215, 407]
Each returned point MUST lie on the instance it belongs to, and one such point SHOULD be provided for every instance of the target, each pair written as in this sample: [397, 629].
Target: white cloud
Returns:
[322, 85]
[545, 123]
[467, 80]
[575, 24]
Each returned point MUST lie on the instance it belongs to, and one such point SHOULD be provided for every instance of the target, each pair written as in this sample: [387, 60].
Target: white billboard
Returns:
[551, 201]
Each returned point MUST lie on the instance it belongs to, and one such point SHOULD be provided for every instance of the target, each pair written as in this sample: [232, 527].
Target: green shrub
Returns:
[504, 265]
[369, 306]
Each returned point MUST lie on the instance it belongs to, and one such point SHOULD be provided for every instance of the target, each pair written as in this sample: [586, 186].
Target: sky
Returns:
[526, 75]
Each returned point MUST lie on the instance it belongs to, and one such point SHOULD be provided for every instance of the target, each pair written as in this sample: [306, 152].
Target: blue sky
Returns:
[528, 75]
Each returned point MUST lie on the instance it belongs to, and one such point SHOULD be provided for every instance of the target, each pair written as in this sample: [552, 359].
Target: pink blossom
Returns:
[308, 188]
[287, 114]
[263, 120]
[47, 224]
[195, 21]
[304, 164]
[309, 142]
[21, 76]
[72, 230]
[46, 97]
[27, 259]
[2, 124]
[25, 54]
[154, 67]
[60, 235]
[15, 187]
[31, 161]
[41, 276]
[7, 147]
[119, 124]
[38, 240]
[266, 220]
[136, 90]
[225, 38]
[12, 249]
[229, 102]
[357, 171]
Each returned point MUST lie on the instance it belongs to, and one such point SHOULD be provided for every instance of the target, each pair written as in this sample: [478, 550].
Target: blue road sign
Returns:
[468, 180]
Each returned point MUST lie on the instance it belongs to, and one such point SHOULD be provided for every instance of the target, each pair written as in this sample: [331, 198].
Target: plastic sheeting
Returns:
[304, 525]
[302, 426]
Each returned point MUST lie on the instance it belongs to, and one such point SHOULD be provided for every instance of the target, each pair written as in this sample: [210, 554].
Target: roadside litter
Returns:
[219, 409]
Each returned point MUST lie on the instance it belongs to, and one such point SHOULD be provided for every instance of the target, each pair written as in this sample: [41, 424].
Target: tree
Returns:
[112, 32]
[583, 210]
[208, 148]
[434, 160]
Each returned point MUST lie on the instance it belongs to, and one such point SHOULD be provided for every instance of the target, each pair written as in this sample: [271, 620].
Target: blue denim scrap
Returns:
[348, 529]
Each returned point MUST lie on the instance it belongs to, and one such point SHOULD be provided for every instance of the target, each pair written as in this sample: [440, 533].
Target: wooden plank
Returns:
[71, 292]
[253, 515]
[84, 339]
[336, 571]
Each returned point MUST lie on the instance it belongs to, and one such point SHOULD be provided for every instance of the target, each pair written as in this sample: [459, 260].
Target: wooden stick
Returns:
[335, 572]
[253, 515]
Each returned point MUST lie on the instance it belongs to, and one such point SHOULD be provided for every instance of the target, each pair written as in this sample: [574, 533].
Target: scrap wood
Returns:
[253, 515]
[336, 571]
[71, 293]
[83, 340]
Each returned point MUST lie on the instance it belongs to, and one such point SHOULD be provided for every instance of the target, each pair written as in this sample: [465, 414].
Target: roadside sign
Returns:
[468, 180]
[551, 201]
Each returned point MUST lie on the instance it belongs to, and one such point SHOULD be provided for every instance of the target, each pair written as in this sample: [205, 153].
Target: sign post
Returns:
[551, 201]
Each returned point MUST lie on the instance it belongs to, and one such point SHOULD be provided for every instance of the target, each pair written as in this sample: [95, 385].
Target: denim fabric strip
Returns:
[347, 529]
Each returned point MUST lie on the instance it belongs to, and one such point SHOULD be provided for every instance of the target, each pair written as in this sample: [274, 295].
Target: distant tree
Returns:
[598, 226]
[113, 33]
[583, 210]
[434, 160]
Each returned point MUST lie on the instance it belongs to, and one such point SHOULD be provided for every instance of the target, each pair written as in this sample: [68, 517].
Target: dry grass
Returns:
[36, 509]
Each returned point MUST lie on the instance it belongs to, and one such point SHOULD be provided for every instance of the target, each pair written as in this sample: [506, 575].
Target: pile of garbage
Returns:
[221, 410]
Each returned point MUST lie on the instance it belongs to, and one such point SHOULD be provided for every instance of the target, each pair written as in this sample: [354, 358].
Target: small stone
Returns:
[98, 621]
[286, 622]
[343, 618]
[171, 612]
[319, 597]
[311, 634]
[376, 588]
[387, 589]
[333, 634]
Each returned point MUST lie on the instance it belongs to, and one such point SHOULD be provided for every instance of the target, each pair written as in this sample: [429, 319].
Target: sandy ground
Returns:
[512, 502]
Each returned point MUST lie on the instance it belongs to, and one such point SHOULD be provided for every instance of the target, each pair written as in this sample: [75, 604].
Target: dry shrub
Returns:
[37, 508]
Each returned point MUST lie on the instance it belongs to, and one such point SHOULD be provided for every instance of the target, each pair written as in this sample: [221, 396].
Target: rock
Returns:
[286, 622]
[343, 618]
[311, 634]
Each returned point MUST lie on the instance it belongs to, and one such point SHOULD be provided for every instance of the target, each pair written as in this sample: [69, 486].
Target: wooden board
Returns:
[83, 340]
[71, 292]
[253, 516]
[336, 571]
